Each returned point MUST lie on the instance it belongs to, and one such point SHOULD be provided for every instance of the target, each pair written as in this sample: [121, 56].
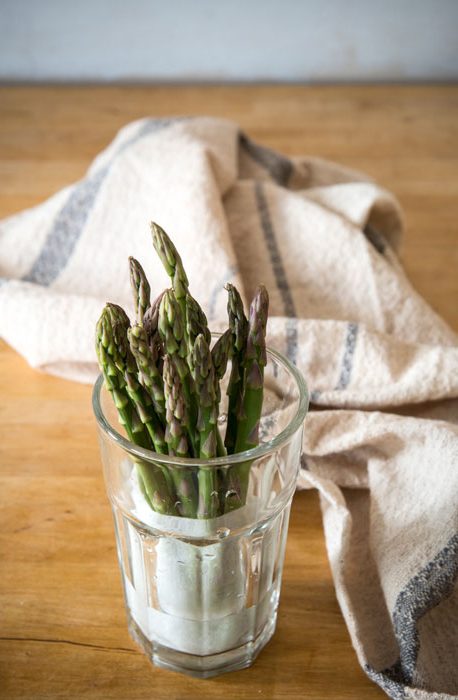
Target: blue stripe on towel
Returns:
[65, 231]
[279, 272]
[428, 588]
[69, 223]
[434, 583]
[279, 167]
[349, 351]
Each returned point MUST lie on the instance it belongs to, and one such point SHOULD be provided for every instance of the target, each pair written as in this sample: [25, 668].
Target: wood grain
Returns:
[63, 630]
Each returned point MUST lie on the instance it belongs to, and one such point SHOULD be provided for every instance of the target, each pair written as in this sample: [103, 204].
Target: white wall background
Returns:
[234, 40]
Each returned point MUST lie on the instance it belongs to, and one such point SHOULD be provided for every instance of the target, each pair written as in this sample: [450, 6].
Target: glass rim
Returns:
[261, 450]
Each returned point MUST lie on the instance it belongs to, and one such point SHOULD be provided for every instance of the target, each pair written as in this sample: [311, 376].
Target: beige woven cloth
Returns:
[381, 441]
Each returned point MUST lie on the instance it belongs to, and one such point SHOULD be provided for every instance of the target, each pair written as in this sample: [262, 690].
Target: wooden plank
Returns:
[63, 630]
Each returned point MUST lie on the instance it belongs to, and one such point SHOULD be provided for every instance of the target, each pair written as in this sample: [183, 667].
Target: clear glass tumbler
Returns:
[202, 592]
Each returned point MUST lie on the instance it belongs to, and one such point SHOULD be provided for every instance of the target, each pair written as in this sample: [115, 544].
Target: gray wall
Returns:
[296, 40]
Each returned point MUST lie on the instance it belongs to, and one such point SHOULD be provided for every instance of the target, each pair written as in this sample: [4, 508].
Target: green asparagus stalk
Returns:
[149, 373]
[111, 353]
[150, 324]
[175, 436]
[221, 352]
[204, 378]
[144, 407]
[140, 288]
[255, 361]
[192, 317]
[171, 327]
[196, 322]
[238, 325]
[173, 266]
[171, 330]
[251, 406]
[171, 260]
[116, 364]
[140, 398]
[151, 319]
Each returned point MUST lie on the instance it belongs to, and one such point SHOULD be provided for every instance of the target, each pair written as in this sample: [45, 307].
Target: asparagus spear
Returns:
[173, 265]
[145, 410]
[111, 352]
[136, 393]
[238, 325]
[221, 352]
[175, 437]
[204, 378]
[192, 316]
[150, 324]
[196, 322]
[140, 288]
[171, 330]
[172, 262]
[251, 406]
[115, 359]
[255, 361]
[150, 321]
[149, 373]
[143, 404]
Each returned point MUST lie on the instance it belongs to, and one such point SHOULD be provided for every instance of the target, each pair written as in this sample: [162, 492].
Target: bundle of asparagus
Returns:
[164, 378]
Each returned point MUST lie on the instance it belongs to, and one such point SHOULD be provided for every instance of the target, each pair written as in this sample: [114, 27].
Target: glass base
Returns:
[202, 666]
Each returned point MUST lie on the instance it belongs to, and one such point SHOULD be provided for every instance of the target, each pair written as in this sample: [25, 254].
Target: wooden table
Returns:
[62, 624]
